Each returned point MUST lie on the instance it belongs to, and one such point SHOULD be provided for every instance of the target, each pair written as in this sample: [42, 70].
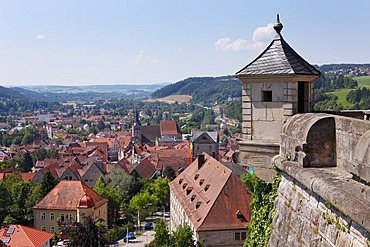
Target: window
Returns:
[70, 177]
[91, 180]
[43, 216]
[198, 205]
[180, 181]
[237, 236]
[267, 96]
[206, 188]
[184, 185]
[196, 176]
[86, 180]
[62, 219]
[243, 235]
[193, 197]
[43, 228]
[52, 229]
[52, 216]
[70, 217]
[189, 190]
[201, 182]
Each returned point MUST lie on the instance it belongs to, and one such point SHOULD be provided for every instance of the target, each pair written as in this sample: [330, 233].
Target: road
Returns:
[145, 238]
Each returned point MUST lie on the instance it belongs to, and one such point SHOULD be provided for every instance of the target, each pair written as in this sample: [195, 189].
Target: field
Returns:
[363, 81]
[174, 98]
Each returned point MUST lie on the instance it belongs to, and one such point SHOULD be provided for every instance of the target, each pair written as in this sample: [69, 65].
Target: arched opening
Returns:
[320, 149]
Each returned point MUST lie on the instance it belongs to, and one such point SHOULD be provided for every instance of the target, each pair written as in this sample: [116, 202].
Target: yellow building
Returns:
[69, 201]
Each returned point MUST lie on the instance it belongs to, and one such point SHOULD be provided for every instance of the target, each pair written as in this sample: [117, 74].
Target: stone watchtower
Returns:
[276, 85]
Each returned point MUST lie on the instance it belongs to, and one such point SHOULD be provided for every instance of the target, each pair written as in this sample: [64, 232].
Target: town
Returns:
[263, 169]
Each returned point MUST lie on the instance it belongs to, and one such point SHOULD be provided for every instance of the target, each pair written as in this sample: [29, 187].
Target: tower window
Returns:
[267, 96]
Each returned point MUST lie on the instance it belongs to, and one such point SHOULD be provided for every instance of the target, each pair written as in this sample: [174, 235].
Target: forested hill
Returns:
[204, 89]
[9, 93]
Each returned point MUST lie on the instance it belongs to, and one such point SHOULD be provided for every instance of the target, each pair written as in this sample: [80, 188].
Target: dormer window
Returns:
[201, 182]
[193, 197]
[180, 181]
[198, 205]
[267, 96]
[189, 190]
[184, 185]
[206, 188]
[196, 176]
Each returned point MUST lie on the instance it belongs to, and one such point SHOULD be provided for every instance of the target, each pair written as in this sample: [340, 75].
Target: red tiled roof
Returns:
[217, 195]
[25, 236]
[169, 128]
[28, 176]
[66, 195]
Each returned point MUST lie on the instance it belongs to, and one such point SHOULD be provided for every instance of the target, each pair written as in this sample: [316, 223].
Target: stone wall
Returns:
[306, 219]
[324, 196]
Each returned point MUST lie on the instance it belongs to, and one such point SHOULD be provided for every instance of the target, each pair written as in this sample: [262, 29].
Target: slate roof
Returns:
[278, 59]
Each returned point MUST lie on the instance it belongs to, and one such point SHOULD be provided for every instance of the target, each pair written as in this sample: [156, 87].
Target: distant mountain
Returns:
[204, 89]
[89, 92]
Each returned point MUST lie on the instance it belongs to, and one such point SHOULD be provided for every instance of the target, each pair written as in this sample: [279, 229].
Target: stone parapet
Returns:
[304, 218]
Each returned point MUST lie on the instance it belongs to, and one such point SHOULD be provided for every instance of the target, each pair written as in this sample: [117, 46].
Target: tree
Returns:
[48, 183]
[27, 162]
[169, 173]
[86, 233]
[27, 138]
[121, 181]
[162, 236]
[183, 237]
[114, 197]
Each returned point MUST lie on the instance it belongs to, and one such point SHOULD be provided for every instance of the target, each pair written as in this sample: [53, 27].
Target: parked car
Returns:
[166, 214]
[130, 235]
[65, 243]
[148, 226]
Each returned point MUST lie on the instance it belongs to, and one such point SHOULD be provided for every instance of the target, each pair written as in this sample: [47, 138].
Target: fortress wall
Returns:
[323, 205]
[305, 219]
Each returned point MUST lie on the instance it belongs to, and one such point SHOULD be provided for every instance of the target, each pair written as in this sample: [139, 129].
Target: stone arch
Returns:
[320, 147]
[361, 152]
[310, 139]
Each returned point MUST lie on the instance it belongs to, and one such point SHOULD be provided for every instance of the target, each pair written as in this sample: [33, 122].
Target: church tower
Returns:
[136, 129]
[276, 85]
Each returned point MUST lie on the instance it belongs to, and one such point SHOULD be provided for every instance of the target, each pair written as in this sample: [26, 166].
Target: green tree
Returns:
[169, 173]
[48, 183]
[183, 237]
[27, 162]
[86, 233]
[114, 197]
[162, 236]
[121, 181]
[27, 138]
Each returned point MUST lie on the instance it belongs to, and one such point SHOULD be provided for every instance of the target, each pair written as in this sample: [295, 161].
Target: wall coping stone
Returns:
[335, 186]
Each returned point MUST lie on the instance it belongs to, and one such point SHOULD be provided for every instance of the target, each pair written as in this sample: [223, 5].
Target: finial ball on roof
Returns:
[278, 26]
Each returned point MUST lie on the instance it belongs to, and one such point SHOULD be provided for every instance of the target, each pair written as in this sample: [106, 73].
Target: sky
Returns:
[86, 42]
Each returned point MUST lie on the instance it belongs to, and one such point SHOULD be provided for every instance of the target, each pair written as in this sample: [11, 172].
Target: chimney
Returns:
[200, 160]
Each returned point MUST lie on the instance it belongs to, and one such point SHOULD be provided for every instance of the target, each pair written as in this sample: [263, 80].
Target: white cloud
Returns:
[263, 33]
[141, 58]
[43, 37]
[259, 35]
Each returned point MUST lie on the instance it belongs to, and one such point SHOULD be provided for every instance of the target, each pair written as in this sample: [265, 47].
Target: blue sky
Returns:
[81, 42]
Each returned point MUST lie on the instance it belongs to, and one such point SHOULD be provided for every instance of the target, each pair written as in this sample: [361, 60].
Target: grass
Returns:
[342, 94]
[363, 81]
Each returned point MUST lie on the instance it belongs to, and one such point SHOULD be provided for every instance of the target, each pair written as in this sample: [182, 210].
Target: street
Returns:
[145, 238]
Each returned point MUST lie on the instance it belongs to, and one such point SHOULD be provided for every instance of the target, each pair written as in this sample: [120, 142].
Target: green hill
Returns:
[204, 90]
[9, 93]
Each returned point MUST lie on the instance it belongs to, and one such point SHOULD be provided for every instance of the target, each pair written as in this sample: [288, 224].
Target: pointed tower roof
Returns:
[278, 59]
